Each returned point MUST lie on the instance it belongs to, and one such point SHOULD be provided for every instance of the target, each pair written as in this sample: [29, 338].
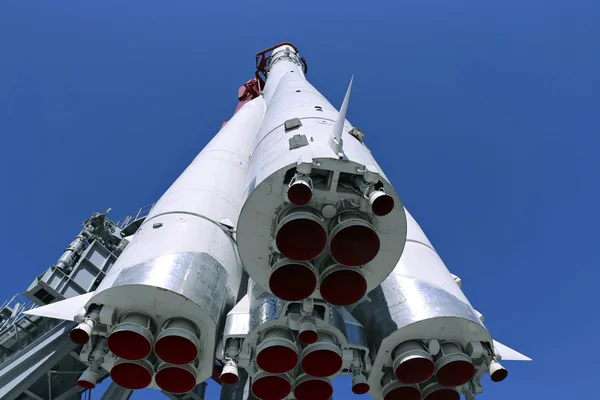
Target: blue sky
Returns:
[484, 115]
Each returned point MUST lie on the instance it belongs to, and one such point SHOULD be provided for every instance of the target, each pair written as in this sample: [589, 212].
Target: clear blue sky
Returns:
[485, 116]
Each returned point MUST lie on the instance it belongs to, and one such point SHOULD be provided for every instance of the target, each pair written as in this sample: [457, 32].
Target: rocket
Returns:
[297, 347]
[342, 279]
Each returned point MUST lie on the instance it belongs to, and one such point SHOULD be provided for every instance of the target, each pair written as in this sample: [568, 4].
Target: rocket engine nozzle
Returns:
[89, 377]
[81, 334]
[435, 391]
[176, 379]
[412, 364]
[277, 353]
[342, 286]
[300, 190]
[267, 386]
[359, 384]
[308, 332]
[323, 358]
[309, 388]
[453, 367]
[395, 390]
[177, 343]
[497, 372]
[292, 280]
[132, 338]
[132, 375]
[381, 203]
[301, 235]
[353, 240]
[399, 391]
[229, 374]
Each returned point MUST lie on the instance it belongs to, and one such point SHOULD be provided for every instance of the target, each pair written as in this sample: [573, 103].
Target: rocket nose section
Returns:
[66, 309]
[284, 47]
[508, 354]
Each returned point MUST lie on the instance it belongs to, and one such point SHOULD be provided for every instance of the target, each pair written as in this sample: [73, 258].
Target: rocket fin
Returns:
[348, 318]
[65, 309]
[241, 307]
[352, 307]
[336, 136]
[508, 354]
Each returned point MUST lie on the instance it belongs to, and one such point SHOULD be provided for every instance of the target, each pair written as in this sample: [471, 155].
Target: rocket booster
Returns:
[155, 315]
[343, 281]
[424, 332]
[320, 219]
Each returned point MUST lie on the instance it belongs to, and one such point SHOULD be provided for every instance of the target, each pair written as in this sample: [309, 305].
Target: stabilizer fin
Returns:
[508, 354]
[337, 143]
[65, 309]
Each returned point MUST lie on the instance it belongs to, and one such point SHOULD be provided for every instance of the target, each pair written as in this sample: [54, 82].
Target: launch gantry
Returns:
[38, 361]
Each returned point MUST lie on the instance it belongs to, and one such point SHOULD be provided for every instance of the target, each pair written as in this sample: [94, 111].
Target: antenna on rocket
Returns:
[337, 142]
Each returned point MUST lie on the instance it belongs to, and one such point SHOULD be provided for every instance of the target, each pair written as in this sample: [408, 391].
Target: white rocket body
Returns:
[312, 198]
